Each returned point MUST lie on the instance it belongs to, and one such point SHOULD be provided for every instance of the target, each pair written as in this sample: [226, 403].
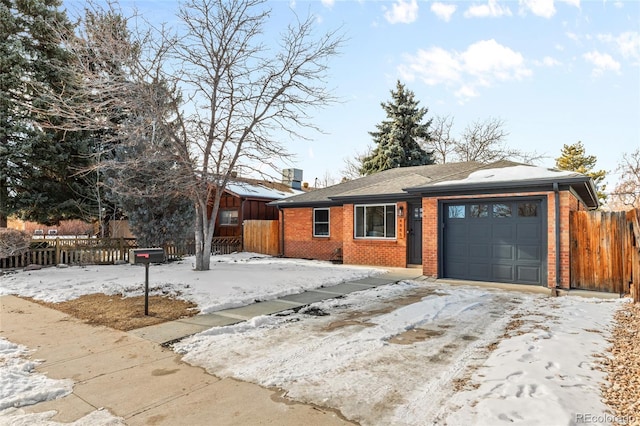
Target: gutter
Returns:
[557, 209]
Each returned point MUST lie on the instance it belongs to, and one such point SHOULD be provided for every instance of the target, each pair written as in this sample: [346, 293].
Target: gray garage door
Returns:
[501, 241]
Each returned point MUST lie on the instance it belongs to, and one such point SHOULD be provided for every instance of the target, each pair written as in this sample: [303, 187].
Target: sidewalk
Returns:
[137, 379]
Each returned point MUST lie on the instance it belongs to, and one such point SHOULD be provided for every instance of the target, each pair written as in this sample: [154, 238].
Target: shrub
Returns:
[13, 242]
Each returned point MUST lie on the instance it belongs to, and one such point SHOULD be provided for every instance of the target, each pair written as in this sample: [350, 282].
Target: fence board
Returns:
[632, 268]
[261, 236]
[599, 251]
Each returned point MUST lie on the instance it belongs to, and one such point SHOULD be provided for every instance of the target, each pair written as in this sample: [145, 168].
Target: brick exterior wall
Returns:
[377, 252]
[298, 235]
[299, 240]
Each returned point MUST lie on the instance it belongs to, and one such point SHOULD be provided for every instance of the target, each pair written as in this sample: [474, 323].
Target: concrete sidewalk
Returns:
[137, 379]
[172, 331]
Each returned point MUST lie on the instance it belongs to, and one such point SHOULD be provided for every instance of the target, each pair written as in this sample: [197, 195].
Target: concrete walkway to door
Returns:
[138, 380]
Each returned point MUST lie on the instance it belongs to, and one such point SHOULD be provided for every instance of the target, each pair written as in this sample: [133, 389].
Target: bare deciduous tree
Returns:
[484, 141]
[13, 242]
[210, 99]
[627, 191]
[442, 143]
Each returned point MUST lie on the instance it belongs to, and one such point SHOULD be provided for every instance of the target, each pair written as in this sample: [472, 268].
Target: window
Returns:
[456, 212]
[527, 209]
[501, 210]
[479, 210]
[228, 217]
[375, 221]
[320, 222]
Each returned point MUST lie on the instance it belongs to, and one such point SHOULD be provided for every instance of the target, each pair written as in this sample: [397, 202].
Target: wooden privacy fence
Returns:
[261, 236]
[604, 251]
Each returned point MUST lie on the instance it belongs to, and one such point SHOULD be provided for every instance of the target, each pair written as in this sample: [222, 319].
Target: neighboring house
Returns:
[502, 222]
[248, 200]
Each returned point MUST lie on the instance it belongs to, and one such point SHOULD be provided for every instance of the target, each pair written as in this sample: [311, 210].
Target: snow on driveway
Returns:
[420, 353]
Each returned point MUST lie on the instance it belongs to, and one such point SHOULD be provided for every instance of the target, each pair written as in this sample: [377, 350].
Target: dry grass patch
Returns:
[123, 313]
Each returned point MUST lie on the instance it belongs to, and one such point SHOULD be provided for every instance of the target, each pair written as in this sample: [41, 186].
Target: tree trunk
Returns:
[199, 237]
[4, 200]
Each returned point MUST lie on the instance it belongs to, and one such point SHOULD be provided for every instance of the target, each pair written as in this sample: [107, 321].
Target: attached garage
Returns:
[500, 240]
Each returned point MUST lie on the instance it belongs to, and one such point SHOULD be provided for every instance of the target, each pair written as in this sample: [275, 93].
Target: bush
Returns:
[13, 242]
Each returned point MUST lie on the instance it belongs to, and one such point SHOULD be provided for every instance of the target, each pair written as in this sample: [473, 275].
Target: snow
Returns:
[234, 280]
[542, 373]
[513, 173]
[411, 353]
[245, 189]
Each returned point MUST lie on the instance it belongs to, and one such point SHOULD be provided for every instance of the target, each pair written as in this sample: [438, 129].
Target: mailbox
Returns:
[146, 255]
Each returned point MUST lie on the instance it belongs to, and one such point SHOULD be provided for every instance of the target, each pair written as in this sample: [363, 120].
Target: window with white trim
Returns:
[228, 217]
[375, 221]
[320, 222]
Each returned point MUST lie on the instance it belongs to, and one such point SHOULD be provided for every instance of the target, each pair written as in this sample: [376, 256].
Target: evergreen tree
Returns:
[398, 138]
[39, 177]
[573, 158]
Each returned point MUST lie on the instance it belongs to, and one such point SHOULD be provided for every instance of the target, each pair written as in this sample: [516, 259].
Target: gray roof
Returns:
[443, 179]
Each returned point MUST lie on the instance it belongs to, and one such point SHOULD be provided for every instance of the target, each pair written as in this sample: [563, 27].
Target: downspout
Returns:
[281, 214]
[557, 201]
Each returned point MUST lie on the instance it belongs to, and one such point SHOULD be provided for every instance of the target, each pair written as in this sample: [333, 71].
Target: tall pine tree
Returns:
[398, 137]
[39, 167]
[573, 158]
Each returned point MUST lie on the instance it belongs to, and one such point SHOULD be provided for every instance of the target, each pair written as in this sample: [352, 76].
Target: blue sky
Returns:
[555, 72]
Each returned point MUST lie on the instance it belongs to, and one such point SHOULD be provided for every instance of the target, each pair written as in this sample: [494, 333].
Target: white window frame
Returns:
[328, 222]
[384, 226]
[220, 216]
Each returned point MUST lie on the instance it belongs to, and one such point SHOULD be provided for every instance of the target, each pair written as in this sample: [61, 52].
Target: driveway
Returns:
[419, 353]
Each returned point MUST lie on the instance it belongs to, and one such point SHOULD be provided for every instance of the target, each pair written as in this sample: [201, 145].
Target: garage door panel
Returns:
[502, 231]
[479, 251]
[458, 270]
[458, 250]
[528, 274]
[503, 272]
[503, 243]
[479, 271]
[528, 231]
[457, 230]
[479, 231]
[529, 252]
[503, 252]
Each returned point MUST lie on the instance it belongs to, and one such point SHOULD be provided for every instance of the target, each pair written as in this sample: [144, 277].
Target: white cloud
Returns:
[549, 62]
[572, 36]
[403, 12]
[602, 62]
[443, 11]
[618, 4]
[543, 8]
[482, 64]
[627, 43]
[491, 9]
[328, 3]
[575, 3]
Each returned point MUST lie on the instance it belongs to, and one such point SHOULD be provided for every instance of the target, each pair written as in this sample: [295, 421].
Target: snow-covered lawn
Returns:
[234, 280]
[410, 353]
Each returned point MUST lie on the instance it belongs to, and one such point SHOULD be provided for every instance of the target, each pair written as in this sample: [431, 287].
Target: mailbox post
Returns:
[146, 256]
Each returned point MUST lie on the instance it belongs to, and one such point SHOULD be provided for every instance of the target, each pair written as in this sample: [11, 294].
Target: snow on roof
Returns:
[245, 189]
[513, 173]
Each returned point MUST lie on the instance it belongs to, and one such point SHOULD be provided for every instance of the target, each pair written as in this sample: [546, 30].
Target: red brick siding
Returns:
[365, 251]
[298, 234]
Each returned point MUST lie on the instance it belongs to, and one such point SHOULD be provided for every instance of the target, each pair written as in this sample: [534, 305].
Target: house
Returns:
[248, 199]
[498, 222]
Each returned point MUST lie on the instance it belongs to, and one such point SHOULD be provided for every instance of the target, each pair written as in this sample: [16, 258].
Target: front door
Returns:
[414, 231]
